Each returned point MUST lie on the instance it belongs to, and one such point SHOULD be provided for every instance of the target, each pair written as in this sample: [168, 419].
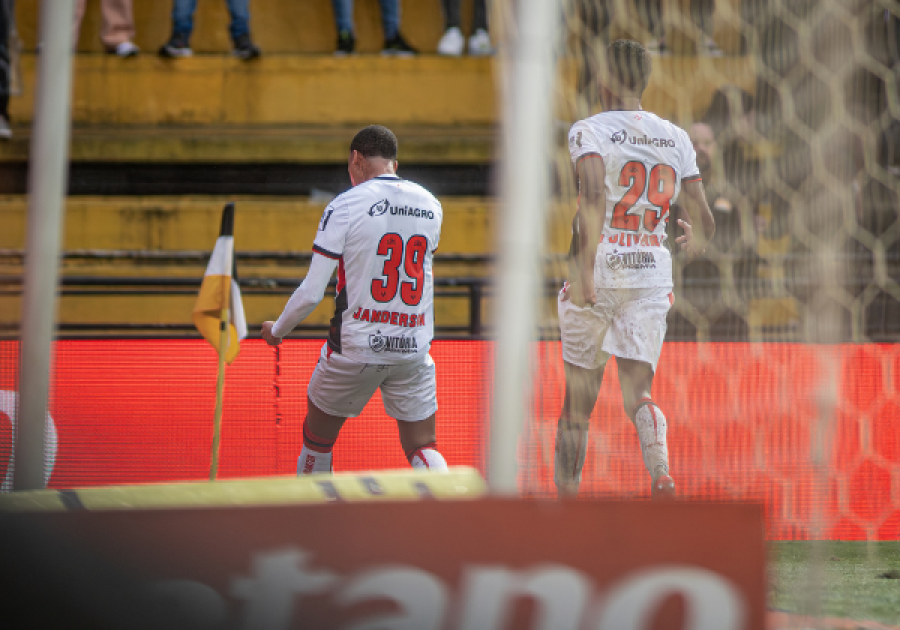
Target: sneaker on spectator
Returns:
[451, 43]
[480, 44]
[346, 44]
[657, 47]
[245, 49]
[177, 46]
[125, 49]
[397, 47]
[709, 47]
[5, 131]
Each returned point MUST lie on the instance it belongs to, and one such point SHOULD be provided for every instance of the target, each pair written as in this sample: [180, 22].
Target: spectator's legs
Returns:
[651, 14]
[118, 22]
[76, 25]
[343, 15]
[451, 13]
[702, 14]
[240, 18]
[6, 13]
[390, 18]
[183, 17]
[480, 20]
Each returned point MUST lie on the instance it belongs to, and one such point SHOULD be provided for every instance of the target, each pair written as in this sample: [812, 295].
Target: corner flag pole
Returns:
[220, 389]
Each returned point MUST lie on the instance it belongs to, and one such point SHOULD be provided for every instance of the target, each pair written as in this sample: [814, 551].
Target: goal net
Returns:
[780, 374]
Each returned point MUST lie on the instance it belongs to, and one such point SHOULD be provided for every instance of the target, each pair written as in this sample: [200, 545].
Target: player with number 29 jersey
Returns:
[647, 159]
[384, 233]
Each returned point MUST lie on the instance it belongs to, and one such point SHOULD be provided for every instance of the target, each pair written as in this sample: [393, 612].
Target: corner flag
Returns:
[219, 290]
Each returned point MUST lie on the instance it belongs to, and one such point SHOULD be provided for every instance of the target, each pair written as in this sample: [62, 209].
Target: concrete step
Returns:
[304, 91]
[303, 144]
[307, 26]
[262, 224]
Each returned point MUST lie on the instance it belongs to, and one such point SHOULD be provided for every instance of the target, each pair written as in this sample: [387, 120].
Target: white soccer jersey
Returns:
[647, 159]
[384, 233]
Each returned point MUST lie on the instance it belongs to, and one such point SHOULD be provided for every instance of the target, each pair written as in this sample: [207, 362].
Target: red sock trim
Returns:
[411, 454]
[315, 443]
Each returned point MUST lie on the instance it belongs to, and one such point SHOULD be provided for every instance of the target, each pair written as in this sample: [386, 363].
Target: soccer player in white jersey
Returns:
[630, 166]
[381, 235]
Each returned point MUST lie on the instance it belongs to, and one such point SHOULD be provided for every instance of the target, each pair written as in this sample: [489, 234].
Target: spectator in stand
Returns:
[117, 30]
[394, 44]
[702, 14]
[183, 25]
[453, 41]
[6, 20]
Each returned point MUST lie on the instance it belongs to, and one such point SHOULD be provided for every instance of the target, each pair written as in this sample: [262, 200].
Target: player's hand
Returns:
[687, 242]
[267, 334]
[578, 296]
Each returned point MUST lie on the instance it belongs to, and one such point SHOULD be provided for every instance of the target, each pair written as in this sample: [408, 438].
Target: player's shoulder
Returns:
[667, 125]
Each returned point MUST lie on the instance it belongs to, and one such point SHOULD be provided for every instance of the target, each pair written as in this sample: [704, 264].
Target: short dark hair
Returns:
[629, 64]
[375, 141]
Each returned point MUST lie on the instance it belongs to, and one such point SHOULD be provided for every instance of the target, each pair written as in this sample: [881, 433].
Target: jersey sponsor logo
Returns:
[655, 142]
[631, 260]
[384, 206]
[619, 137]
[404, 320]
[384, 343]
[379, 208]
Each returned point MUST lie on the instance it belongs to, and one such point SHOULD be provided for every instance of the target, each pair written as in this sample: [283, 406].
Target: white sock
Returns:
[571, 449]
[311, 461]
[428, 458]
[651, 428]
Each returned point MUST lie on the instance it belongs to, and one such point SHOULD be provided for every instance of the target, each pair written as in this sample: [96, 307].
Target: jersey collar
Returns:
[387, 177]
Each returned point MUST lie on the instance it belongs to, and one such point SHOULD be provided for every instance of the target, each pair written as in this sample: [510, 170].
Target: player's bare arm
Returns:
[694, 244]
[591, 175]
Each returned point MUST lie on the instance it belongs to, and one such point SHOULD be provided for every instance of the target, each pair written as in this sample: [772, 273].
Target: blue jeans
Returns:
[183, 17]
[390, 16]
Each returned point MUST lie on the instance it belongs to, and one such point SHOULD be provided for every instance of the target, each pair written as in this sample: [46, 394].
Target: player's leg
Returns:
[582, 330]
[409, 394]
[636, 339]
[419, 442]
[338, 389]
[582, 388]
[320, 432]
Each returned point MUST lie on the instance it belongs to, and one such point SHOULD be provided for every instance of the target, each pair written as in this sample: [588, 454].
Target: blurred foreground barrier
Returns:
[424, 565]
[391, 485]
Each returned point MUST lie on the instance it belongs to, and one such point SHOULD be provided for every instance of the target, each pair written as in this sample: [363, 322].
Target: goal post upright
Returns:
[527, 70]
[46, 196]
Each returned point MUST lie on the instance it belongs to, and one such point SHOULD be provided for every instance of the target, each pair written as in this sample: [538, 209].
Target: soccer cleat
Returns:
[245, 49]
[346, 44]
[177, 46]
[480, 44]
[397, 47]
[451, 43]
[663, 488]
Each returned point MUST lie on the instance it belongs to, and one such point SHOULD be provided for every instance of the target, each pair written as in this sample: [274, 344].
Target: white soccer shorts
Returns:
[626, 323]
[341, 387]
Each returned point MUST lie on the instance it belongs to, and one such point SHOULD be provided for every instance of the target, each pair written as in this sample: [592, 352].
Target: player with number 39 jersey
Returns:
[384, 233]
[381, 235]
[647, 159]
